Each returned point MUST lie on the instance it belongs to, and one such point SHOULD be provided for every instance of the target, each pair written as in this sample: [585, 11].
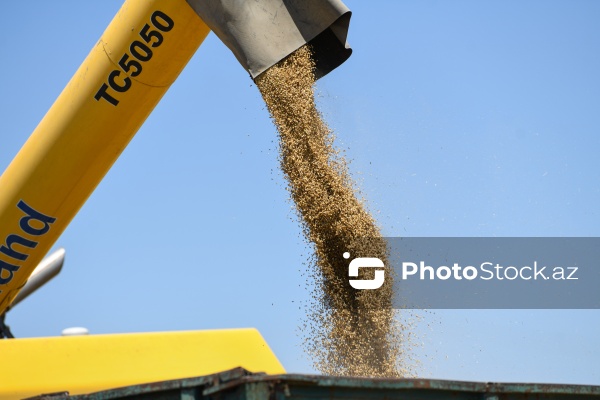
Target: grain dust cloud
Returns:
[346, 332]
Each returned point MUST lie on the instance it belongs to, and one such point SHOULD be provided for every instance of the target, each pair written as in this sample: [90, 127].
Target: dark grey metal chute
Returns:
[262, 32]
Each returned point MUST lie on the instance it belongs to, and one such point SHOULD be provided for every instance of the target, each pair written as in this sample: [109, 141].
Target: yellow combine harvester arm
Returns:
[138, 57]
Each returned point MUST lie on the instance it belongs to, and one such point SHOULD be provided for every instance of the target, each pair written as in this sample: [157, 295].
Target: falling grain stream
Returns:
[347, 332]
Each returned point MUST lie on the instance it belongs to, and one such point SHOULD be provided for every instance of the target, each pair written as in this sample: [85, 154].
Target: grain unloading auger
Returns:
[138, 57]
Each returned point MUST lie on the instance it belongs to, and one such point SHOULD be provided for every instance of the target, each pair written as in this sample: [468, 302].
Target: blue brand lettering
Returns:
[11, 269]
[33, 215]
[34, 223]
[11, 252]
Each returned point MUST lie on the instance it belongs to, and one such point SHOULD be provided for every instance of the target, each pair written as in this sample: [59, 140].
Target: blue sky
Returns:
[460, 118]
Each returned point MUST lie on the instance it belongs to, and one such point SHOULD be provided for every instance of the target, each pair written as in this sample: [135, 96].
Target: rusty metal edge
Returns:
[223, 381]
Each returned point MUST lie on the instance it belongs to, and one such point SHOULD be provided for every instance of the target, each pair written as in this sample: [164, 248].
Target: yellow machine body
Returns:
[84, 364]
[138, 57]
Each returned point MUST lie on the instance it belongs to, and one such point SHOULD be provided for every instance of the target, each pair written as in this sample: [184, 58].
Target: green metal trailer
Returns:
[239, 384]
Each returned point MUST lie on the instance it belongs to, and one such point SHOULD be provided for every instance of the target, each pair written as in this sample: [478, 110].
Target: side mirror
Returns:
[46, 270]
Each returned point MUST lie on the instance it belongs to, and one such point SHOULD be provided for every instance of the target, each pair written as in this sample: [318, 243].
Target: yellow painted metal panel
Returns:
[83, 364]
[141, 53]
